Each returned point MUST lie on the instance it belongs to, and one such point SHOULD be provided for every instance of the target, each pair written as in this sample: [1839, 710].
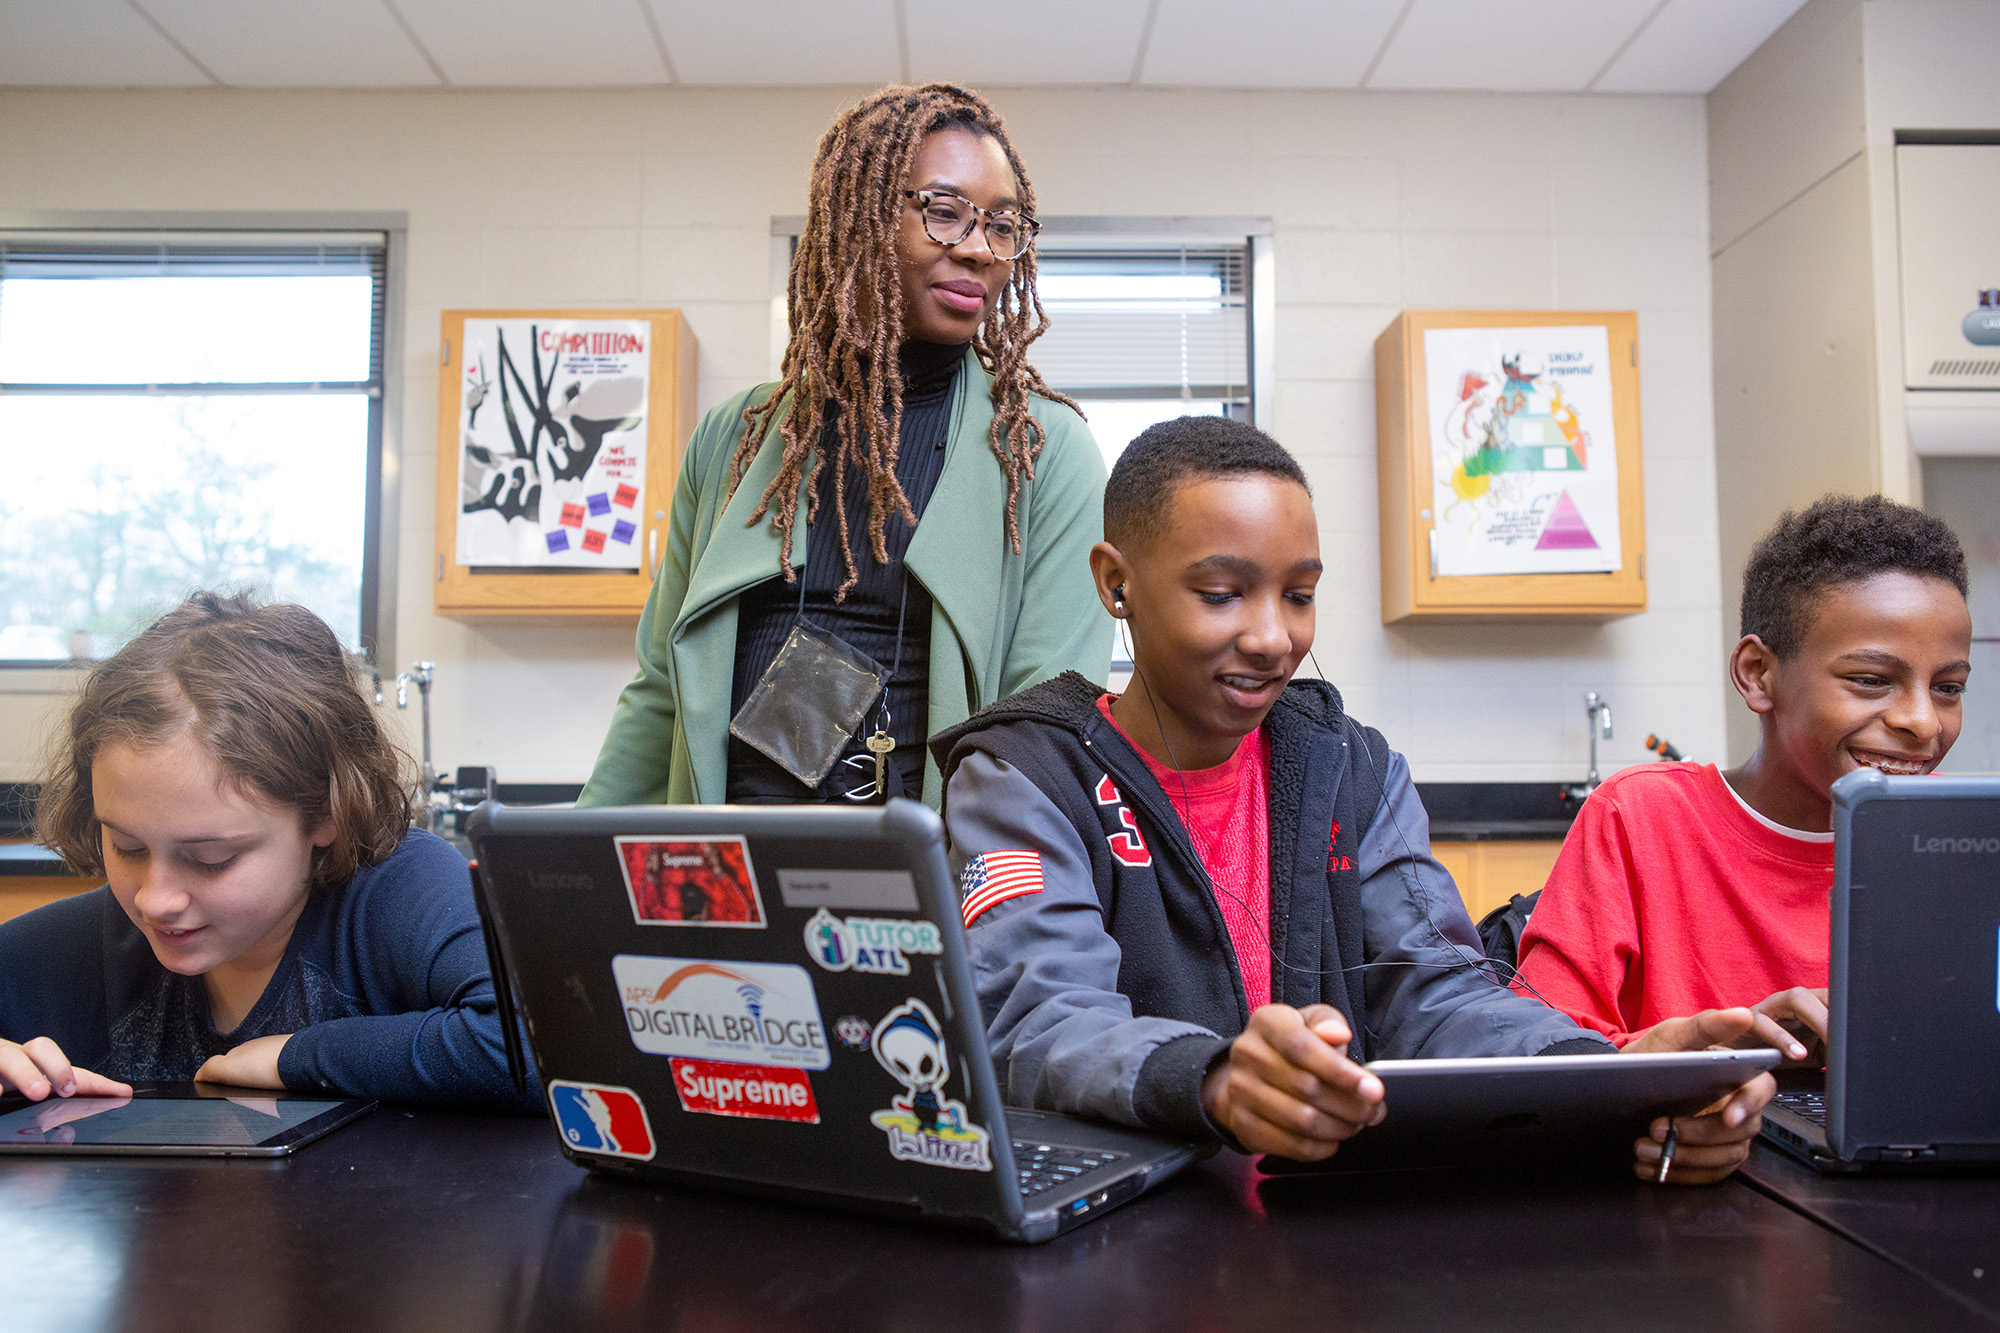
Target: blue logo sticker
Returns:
[597, 1118]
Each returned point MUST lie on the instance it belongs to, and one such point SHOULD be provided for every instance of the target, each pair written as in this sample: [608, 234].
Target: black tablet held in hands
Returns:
[175, 1120]
[1495, 1109]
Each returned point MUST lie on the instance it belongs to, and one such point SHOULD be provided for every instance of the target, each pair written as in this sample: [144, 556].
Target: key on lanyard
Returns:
[879, 745]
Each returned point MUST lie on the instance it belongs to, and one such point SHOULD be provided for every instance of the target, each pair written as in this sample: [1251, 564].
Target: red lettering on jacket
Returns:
[1334, 860]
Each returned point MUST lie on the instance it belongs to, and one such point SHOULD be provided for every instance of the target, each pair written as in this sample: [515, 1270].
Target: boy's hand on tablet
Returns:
[38, 1067]
[1711, 1145]
[254, 1064]
[1287, 1086]
[1795, 1022]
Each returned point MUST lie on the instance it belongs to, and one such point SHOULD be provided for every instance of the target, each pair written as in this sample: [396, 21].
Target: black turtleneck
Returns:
[866, 619]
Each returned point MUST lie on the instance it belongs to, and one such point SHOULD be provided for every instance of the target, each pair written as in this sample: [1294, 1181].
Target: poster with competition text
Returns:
[1524, 457]
[552, 442]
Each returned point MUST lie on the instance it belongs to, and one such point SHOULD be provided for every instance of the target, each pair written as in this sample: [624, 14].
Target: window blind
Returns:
[86, 256]
[1146, 324]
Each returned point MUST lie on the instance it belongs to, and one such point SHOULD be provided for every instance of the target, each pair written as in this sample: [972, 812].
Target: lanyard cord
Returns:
[884, 716]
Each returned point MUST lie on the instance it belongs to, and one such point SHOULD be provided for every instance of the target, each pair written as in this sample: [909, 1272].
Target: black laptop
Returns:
[1912, 1075]
[777, 1000]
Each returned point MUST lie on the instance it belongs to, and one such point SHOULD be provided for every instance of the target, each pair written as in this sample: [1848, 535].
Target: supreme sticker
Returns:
[712, 1009]
[599, 1118]
[690, 882]
[754, 1092]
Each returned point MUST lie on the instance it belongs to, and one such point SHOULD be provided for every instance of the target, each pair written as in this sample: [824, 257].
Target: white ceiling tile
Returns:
[1024, 41]
[296, 43]
[1694, 44]
[1266, 43]
[535, 43]
[780, 41]
[87, 43]
[1507, 45]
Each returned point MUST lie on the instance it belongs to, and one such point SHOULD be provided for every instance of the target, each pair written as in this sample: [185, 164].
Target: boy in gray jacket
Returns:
[1202, 905]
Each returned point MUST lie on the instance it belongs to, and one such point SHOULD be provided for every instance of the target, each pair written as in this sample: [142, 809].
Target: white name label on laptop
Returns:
[871, 890]
[720, 1009]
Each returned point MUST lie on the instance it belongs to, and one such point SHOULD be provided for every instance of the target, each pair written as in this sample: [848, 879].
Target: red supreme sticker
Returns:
[756, 1092]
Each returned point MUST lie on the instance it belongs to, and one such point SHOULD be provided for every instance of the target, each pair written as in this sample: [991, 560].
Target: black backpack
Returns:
[1500, 930]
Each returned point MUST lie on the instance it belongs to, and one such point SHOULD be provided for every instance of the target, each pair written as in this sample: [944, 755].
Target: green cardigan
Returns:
[999, 622]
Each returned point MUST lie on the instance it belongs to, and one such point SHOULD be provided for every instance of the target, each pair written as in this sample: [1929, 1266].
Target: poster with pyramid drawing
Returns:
[1524, 460]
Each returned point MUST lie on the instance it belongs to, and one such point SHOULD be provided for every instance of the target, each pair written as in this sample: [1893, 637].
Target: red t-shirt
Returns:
[1226, 810]
[1671, 896]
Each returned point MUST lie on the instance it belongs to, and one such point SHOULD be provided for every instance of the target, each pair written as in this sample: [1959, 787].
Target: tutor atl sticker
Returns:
[921, 1125]
[707, 1009]
[868, 943]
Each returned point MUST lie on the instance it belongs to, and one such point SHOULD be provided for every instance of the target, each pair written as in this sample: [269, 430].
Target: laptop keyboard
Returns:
[1811, 1105]
[1045, 1167]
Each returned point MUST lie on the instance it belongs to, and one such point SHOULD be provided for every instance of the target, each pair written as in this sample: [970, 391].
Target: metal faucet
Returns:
[422, 674]
[1600, 721]
[1593, 704]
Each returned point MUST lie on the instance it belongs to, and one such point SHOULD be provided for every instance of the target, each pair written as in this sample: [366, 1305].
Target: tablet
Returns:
[175, 1120]
[1506, 1107]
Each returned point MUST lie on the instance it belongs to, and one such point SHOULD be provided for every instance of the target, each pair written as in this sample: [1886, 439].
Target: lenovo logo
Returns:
[1921, 845]
[544, 879]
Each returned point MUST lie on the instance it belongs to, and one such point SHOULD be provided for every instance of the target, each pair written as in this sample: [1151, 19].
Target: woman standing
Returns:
[908, 418]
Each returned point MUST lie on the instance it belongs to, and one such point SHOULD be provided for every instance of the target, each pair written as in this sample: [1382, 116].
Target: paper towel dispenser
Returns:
[1948, 232]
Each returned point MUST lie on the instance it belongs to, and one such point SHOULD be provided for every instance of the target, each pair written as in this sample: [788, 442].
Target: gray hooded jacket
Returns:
[1110, 991]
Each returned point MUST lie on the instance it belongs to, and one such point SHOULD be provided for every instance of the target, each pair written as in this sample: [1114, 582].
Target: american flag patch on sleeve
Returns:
[995, 877]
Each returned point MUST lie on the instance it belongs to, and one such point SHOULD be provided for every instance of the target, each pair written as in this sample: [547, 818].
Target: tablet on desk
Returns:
[175, 1120]
[1500, 1108]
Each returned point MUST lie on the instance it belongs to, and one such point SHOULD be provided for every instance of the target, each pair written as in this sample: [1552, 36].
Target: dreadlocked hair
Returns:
[837, 362]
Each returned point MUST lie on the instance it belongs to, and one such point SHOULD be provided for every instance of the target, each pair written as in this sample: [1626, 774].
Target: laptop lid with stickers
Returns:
[753, 995]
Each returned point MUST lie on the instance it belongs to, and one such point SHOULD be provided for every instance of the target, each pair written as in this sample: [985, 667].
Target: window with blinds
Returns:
[182, 411]
[1139, 336]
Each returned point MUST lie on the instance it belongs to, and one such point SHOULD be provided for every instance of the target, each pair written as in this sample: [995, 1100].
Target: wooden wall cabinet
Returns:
[1489, 873]
[1411, 587]
[564, 596]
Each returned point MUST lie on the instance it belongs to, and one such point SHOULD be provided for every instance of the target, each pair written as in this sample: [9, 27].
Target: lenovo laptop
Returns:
[777, 1000]
[1913, 1046]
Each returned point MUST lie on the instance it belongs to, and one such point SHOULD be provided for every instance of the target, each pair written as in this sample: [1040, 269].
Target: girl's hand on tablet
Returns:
[36, 1068]
[254, 1064]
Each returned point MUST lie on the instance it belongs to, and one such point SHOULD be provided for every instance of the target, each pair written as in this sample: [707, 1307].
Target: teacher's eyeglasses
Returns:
[950, 218]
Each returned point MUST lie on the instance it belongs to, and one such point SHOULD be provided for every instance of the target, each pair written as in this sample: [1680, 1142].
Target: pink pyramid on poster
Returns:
[1566, 530]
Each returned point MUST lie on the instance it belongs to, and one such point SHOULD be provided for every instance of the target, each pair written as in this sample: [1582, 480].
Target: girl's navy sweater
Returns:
[384, 989]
